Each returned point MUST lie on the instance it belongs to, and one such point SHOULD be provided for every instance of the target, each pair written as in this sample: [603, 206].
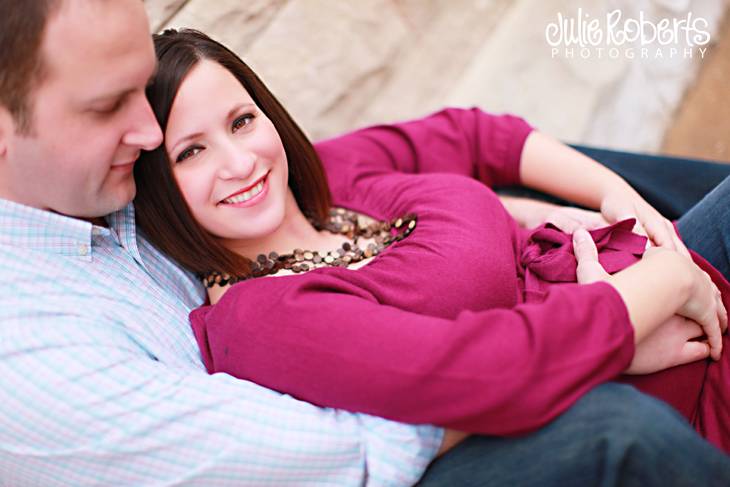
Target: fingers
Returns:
[722, 311]
[570, 219]
[690, 329]
[679, 245]
[704, 305]
[659, 233]
[595, 221]
[716, 321]
[693, 351]
[638, 226]
[714, 338]
[564, 222]
[721, 314]
[589, 268]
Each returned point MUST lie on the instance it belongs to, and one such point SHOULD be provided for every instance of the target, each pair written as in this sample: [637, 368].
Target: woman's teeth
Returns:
[246, 195]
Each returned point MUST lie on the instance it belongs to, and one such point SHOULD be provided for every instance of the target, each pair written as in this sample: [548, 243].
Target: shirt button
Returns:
[83, 249]
[96, 231]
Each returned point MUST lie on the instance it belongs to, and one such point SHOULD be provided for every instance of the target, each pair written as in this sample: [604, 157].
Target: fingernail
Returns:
[580, 235]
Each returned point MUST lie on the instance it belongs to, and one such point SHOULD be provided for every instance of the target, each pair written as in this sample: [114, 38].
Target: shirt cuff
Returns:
[397, 453]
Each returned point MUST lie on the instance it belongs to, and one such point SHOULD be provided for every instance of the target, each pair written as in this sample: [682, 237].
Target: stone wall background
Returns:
[342, 64]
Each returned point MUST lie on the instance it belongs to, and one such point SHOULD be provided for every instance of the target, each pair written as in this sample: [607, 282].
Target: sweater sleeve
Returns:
[459, 141]
[500, 371]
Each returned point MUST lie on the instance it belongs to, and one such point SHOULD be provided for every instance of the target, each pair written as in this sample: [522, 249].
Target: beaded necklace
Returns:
[340, 221]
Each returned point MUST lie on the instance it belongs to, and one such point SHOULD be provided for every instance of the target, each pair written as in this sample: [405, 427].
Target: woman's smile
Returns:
[248, 196]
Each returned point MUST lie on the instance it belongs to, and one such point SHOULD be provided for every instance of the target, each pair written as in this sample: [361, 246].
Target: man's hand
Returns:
[674, 343]
[450, 440]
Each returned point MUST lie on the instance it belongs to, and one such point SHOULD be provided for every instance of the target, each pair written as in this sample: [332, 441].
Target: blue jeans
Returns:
[705, 228]
[613, 436]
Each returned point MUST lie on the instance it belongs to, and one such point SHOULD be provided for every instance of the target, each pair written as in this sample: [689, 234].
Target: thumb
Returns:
[693, 351]
[589, 268]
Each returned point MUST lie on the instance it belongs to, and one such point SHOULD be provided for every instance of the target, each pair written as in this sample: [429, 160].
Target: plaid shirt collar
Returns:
[46, 231]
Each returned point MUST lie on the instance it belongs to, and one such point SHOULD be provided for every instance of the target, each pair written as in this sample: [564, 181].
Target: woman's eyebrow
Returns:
[185, 139]
[238, 108]
[231, 113]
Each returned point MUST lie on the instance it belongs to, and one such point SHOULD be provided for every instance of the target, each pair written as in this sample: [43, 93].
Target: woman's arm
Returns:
[499, 150]
[554, 168]
[469, 142]
[323, 339]
[557, 169]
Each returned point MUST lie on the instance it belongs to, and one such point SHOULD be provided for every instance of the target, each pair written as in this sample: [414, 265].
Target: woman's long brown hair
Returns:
[161, 211]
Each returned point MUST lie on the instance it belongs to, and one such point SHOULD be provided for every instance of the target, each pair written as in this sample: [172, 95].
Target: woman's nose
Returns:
[237, 163]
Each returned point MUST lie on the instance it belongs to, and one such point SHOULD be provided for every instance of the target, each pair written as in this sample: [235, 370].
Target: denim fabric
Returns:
[705, 228]
[672, 185]
[613, 436]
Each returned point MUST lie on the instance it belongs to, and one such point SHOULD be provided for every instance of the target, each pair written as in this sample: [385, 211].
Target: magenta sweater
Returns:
[470, 322]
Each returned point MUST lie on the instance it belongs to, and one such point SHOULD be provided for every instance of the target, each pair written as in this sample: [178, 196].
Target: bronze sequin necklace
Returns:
[340, 221]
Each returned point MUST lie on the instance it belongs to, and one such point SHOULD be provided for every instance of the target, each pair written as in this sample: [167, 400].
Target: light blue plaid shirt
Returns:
[101, 381]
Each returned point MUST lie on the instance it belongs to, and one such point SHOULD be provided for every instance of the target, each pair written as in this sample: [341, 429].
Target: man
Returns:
[102, 381]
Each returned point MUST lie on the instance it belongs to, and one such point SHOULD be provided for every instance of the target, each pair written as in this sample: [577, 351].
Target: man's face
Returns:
[90, 117]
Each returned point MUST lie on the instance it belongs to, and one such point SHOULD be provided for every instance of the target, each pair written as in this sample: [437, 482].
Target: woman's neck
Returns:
[294, 232]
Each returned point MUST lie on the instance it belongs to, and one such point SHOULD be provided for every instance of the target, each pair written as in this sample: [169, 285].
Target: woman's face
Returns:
[227, 156]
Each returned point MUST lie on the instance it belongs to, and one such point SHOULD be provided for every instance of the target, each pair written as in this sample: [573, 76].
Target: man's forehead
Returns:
[100, 39]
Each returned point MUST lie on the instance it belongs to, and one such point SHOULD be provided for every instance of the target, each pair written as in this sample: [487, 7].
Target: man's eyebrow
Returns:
[111, 96]
[123, 93]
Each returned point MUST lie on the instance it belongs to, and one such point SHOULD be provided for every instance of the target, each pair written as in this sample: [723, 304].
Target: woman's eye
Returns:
[189, 152]
[242, 121]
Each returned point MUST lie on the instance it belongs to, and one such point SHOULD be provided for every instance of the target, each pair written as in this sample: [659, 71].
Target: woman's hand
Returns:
[569, 219]
[531, 213]
[626, 203]
[702, 302]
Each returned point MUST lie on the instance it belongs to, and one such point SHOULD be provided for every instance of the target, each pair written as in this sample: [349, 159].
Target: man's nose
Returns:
[145, 132]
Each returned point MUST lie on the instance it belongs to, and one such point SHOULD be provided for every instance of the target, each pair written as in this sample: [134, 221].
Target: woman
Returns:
[423, 300]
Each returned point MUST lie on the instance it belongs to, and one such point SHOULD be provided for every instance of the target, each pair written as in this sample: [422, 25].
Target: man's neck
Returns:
[98, 221]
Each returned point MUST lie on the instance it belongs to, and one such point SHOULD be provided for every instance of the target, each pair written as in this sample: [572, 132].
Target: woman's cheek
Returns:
[193, 189]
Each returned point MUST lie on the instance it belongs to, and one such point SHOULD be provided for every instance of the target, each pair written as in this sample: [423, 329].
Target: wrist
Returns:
[653, 289]
[675, 267]
[616, 189]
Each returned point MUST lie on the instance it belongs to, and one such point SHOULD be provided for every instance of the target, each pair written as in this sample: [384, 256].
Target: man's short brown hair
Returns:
[22, 24]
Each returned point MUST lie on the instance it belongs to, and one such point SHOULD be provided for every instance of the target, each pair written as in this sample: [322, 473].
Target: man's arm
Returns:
[83, 404]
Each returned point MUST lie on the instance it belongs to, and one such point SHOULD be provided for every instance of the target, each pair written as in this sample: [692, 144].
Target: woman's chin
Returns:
[259, 229]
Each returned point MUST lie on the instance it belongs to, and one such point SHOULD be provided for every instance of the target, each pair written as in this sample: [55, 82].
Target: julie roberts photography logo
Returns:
[615, 35]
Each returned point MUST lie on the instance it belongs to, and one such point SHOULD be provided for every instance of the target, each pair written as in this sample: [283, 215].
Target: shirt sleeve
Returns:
[499, 372]
[459, 141]
[83, 404]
